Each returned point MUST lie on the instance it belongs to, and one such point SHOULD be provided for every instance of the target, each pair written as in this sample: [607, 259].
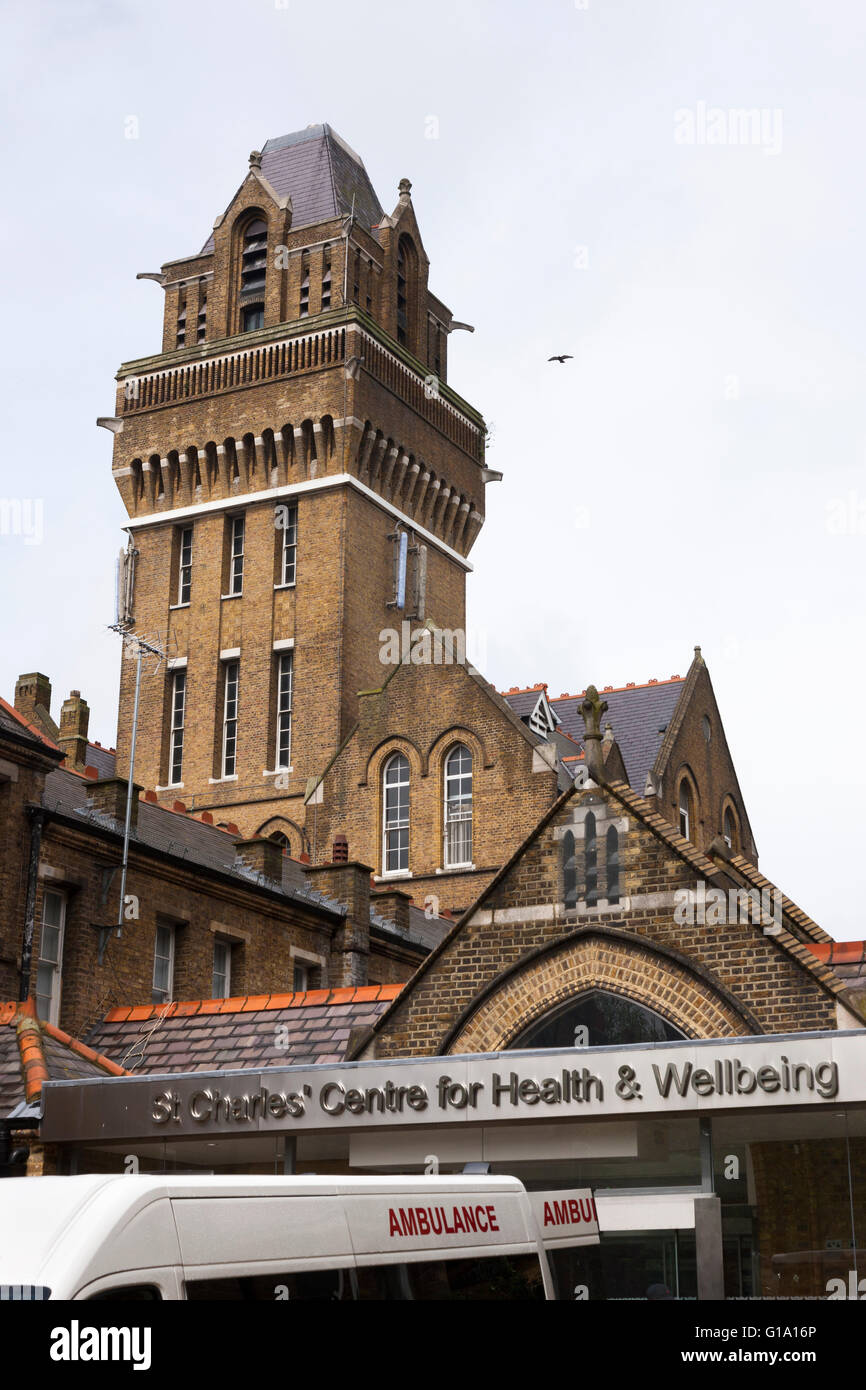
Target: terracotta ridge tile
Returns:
[82, 1049]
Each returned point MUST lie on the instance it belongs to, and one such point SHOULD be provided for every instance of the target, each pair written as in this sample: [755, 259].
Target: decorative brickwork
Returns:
[709, 978]
[599, 962]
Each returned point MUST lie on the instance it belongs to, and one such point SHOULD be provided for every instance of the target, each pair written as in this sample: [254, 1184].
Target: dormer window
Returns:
[254, 258]
[402, 294]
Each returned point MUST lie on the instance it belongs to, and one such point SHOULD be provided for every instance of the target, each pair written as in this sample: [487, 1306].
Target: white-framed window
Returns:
[284, 710]
[184, 569]
[300, 978]
[729, 828]
[178, 715]
[395, 815]
[50, 960]
[222, 969]
[236, 556]
[231, 680]
[685, 807]
[458, 807]
[289, 550]
[163, 964]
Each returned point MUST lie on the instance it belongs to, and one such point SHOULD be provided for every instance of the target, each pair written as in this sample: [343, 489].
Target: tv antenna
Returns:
[143, 647]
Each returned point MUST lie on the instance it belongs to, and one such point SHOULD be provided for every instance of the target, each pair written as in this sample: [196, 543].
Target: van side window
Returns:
[128, 1293]
[495, 1277]
[304, 1286]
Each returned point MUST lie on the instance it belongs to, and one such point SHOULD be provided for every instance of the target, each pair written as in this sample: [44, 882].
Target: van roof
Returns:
[38, 1216]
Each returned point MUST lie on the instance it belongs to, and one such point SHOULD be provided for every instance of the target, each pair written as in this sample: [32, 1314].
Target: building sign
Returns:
[671, 1078]
[566, 1218]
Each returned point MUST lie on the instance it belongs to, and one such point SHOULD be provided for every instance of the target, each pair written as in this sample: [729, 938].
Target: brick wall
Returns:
[723, 979]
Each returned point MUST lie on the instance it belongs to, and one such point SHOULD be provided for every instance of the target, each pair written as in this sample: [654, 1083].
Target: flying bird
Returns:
[563, 357]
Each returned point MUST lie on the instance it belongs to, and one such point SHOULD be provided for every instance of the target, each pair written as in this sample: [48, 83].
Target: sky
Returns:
[669, 192]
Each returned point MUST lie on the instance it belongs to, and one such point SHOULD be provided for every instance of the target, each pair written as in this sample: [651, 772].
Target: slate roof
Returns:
[103, 759]
[178, 836]
[322, 175]
[261, 1031]
[638, 715]
[32, 1051]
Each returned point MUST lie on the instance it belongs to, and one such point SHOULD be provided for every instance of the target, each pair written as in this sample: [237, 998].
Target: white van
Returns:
[269, 1238]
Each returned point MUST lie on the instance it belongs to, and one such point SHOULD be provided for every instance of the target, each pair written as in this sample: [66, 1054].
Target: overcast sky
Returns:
[694, 475]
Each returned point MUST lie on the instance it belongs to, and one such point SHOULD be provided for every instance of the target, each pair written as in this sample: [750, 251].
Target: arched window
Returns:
[598, 1019]
[395, 815]
[254, 258]
[282, 840]
[590, 856]
[458, 807]
[729, 830]
[407, 266]
[612, 857]
[686, 810]
[569, 871]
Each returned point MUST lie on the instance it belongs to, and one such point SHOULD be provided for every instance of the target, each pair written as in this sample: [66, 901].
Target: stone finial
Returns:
[256, 159]
[607, 738]
[698, 656]
[592, 708]
[405, 187]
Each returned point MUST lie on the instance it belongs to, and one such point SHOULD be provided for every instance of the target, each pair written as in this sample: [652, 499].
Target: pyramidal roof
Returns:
[322, 175]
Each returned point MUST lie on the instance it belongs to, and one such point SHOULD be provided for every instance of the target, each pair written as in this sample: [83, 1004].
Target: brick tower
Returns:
[298, 476]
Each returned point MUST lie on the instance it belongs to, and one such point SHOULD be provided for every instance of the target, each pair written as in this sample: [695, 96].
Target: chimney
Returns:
[347, 883]
[261, 855]
[109, 795]
[394, 907]
[33, 701]
[74, 720]
[340, 852]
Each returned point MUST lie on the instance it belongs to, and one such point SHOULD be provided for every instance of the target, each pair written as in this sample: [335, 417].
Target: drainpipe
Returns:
[37, 819]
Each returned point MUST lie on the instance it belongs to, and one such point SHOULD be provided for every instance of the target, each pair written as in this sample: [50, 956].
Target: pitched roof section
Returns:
[180, 836]
[322, 175]
[638, 715]
[12, 722]
[103, 759]
[32, 1051]
[807, 954]
[274, 1030]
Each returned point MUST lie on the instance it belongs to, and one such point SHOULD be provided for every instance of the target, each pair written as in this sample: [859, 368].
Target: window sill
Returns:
[215, 781]
[172, 787]
[397, 873]
[456, 869]
[173, 607]
[223, 597]
[284, 586]
[275, 772]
